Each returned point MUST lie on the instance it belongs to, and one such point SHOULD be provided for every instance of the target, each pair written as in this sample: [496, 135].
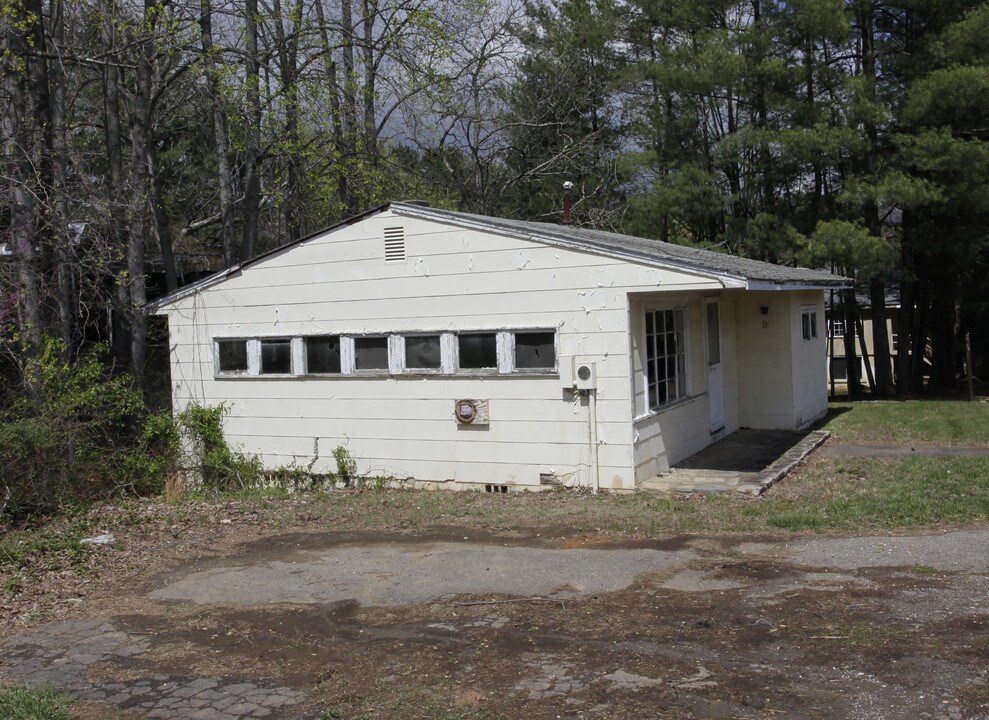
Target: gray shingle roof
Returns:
[750, 273]
[627, 247]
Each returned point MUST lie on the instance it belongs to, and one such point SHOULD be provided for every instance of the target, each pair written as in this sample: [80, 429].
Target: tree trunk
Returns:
[288, 49]
[877, 286]
[119, 322]
[140, 194]
[944, 357]
[333, 84]
[370, 73]
[66, 313]
[19, 142]
[851, 355]
[223, 172]
[252, 93]
[905, 319]
[880, 338]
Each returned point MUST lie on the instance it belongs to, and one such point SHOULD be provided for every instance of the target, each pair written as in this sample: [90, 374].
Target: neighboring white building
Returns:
[370, 333]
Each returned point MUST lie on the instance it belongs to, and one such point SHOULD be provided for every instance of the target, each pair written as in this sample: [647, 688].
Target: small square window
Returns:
[535, 351]
[231, 356]
[276, 357]
[323, 354]
[371, 353]
[478, 351]
[422, 352]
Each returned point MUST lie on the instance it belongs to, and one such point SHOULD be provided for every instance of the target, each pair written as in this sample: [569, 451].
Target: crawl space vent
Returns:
[395, 244]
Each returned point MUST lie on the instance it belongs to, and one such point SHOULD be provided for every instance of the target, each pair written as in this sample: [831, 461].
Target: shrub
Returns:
[67, 437]
[209, 456]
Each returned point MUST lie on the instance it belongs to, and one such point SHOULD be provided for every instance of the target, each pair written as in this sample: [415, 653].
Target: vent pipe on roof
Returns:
[567, 187]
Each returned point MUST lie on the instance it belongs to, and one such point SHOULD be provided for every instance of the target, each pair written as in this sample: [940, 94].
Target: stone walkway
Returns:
[747, 461]
[59, 656]
[750, 461]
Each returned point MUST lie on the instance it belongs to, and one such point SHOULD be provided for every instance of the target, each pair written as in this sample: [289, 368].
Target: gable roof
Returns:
[737, 271]
[753, 273]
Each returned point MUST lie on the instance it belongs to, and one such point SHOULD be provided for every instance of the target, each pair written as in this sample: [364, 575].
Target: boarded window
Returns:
[422, 352]
[535, 350]
[323, 354]
[371, 353]
[231, 356]
[666, 366]
[478, 351]
[276, 357]
[395, 244]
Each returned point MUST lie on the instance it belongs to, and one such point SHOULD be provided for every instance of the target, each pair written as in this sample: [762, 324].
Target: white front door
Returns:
[715, 368]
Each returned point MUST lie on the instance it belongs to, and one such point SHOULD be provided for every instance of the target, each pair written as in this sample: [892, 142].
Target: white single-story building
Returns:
[448, 347]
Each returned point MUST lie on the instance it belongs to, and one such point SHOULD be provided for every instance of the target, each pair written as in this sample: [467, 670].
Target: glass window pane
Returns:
[535, 350]
[323, 354]
[422, 352]
[713, 334]
[371, 353]
[813, 324]
[805, 323]
[478, 350]
[276, 357]
[232, 355]
[649, 323]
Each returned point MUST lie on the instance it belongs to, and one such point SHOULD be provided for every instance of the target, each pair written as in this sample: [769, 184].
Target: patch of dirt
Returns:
[813, 646]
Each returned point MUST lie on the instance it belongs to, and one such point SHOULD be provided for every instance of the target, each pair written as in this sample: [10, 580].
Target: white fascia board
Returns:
[766, 285]
[727, 280]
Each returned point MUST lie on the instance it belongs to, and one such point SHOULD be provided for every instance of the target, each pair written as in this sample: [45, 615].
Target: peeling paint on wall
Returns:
[422, 270]
[605, 277]
[318, 275]
[520, 259]
[650, 276]
[470, 263]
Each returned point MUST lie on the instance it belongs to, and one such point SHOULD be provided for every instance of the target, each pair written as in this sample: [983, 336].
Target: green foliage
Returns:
[29, 550]
[70, 436]
[210, 457]
[25, 703]
[79, 434]
[346, 463]
[849, 245]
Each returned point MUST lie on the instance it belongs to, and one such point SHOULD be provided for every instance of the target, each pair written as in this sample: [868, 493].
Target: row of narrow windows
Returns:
[509, 351]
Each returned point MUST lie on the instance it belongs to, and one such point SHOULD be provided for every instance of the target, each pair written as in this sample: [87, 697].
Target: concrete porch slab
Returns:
[747, 461]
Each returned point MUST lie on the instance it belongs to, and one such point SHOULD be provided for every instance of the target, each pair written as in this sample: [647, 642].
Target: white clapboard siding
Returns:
[450, 280]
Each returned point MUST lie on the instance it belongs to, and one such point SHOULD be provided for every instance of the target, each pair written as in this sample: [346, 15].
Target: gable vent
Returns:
[395, 244]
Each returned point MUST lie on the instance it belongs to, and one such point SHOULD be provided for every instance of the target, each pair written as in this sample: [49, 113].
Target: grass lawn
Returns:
[896, 422]
[23, 703]
[826, 495]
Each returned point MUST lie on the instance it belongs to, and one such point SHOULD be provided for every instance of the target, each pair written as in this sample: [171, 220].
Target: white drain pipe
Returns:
[592, 418]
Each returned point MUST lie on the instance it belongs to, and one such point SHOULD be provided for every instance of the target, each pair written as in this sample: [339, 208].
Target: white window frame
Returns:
[449, 354]
[501, 366]
[401, 360]
[809, 311]
[534, 371]
[217, 372]
[369, 372]
[836, 328]
[684, 311]
[303, 367]
[293, 356]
